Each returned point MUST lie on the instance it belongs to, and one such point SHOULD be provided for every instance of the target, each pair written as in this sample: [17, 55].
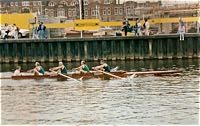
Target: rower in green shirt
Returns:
[38, 70]
[83, 68]
[61, 68]
[103, 66]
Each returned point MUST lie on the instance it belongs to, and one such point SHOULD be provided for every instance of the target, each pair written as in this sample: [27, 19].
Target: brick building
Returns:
[19, 6]
[105, 10]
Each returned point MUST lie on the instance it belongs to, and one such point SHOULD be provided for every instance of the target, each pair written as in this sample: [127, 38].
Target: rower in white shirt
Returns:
[17, 71]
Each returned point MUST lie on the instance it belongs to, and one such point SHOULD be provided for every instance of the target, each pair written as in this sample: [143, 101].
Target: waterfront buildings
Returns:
[105, 10]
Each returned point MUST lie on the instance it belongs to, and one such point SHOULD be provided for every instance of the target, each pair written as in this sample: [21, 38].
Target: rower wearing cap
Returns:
[103, 66]
[61, 68]
[83, 67]
[38, 70]
[17, 71]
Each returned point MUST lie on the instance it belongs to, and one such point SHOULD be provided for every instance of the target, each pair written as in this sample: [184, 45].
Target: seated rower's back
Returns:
[103, 66]
[38, 70]
[17, 72]
[61, 68]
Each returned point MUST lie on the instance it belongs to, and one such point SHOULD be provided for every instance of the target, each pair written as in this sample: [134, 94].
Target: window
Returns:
[104, 12]
[25, 10]
[74, 13]
[85, 2]
[25, 3]
[106, 1]
[34, 3]
[86, 12]
[93, 12]
[46, 11]
[61, 13]
[120, 11]
[116, 11]
[96, 12]
[73, 3]
[39, 3]
[51, 4]
[63, 3]
[16, 3]
[108, 11]
[128, 11]
[51, 13]
[70, 13]
[11, 3]
[137, 12]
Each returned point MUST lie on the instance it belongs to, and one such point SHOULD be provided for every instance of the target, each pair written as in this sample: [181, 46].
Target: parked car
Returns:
[23, 33]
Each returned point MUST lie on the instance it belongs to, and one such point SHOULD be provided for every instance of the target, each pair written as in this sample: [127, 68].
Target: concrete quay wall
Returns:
[107, 48]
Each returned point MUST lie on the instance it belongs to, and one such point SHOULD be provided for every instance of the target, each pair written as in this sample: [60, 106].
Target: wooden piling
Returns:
[92, 49]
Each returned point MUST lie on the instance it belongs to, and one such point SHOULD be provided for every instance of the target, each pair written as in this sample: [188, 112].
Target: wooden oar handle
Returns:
[1, 78]
[65, 76]
[108, 73]
[30, 71]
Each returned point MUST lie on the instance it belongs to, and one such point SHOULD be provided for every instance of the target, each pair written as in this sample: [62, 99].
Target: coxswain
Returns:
[38, 70]
[83, 68]
[60, 69]
[17, 72]
[103, 66]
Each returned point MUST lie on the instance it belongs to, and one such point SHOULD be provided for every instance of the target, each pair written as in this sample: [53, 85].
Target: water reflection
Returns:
[141, 100]
[139, 65]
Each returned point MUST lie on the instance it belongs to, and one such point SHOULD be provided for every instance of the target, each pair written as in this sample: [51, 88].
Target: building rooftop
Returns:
[21, 0]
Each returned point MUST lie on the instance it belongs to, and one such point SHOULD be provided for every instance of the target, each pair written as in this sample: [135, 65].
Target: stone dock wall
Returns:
[107, 48]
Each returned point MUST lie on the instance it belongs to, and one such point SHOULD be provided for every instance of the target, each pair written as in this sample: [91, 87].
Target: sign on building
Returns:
[88, 24]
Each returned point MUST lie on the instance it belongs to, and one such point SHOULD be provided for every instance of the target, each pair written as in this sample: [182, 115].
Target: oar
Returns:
[65, 75]
[1, 78]
[133, 75]
[114, 69]
[30, 71]
[112, 75]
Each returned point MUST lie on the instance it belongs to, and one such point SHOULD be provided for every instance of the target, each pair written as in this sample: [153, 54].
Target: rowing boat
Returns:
[95, 75]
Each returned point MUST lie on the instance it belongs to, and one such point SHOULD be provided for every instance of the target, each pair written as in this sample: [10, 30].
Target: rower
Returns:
[83, 68]
[103, 66]
[60, 69]
[38, 70]
[17, 71]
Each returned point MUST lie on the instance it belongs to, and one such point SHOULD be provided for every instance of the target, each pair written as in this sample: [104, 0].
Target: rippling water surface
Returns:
[140, 100]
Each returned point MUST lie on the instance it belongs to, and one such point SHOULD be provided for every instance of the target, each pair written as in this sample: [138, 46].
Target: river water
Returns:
[140, 100]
